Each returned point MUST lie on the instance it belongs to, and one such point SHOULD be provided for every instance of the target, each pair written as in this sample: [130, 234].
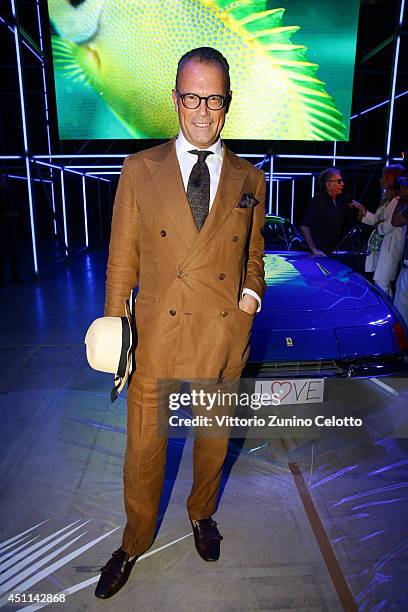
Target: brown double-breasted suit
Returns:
[188, 322]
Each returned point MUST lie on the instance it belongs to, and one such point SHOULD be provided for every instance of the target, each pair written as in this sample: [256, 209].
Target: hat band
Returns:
[125, 347]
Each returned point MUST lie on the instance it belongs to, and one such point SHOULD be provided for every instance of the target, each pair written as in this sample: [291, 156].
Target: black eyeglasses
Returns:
[192, 101]
[338, 181]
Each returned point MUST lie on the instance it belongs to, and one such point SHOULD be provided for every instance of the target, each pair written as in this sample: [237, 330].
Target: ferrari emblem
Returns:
[289, 342]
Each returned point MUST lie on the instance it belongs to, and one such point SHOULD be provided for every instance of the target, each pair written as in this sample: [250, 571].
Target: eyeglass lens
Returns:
[192, 101]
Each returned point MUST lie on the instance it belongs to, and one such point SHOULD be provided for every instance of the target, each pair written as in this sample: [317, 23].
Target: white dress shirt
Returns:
[186, 162]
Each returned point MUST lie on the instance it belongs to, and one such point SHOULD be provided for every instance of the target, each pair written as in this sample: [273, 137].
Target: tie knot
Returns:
[202, 155]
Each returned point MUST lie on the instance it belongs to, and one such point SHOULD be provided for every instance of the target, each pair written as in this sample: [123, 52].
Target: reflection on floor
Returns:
[62, 446]
[361, 494]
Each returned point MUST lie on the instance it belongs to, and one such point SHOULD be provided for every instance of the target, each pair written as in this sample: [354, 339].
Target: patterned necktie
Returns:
[198, 188]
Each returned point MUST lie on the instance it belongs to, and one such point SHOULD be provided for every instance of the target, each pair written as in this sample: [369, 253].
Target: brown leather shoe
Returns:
[114, 574]
[207, 539]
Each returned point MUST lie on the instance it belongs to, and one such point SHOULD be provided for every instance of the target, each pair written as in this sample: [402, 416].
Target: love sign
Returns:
[294, 391]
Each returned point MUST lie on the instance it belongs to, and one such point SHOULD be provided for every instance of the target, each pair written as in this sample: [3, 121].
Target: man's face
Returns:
[200, 126]
[333, 186]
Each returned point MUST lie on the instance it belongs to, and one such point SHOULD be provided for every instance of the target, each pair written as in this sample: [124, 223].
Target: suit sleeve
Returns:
[123, 262]
[255, 273]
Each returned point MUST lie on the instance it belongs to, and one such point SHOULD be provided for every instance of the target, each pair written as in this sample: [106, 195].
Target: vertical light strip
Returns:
[394, 82]
[270, 185]
[277, 198]
[313, 185]
[44, 80]
[64, 211]
[85, 211]
[47, 119]
[24, 124]
[53, 201]
[292, 207]
[334, 152]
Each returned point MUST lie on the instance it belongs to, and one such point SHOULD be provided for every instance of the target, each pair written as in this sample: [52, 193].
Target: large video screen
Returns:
[291, 65]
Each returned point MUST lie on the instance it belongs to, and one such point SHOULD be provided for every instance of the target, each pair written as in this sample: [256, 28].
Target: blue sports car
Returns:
[319, 318]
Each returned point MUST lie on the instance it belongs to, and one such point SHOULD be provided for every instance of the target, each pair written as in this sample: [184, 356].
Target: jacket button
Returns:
[224, 313]
[163, 234]
[172, 313]
[221, 276]
[180, 274]
[235, 238]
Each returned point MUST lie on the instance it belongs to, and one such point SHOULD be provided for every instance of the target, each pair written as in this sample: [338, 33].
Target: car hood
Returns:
[316, 308]
[301, 282]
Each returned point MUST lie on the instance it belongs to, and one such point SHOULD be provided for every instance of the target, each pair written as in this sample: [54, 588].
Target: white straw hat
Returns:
[109, 343]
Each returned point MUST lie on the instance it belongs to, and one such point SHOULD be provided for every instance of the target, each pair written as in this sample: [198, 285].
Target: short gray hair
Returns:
[325, 176]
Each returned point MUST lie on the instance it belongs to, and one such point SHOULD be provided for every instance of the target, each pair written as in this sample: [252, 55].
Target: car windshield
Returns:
[355, 241]
[281, 235]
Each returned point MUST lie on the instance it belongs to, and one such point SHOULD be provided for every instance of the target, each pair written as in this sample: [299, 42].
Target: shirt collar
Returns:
[183, 146]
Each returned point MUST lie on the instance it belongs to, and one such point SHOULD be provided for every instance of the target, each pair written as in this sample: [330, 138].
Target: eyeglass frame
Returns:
[225, 100]
[338, 181]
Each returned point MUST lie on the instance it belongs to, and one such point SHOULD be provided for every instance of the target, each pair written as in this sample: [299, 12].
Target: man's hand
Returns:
[318, 252]
[308, 237]
[248, 304]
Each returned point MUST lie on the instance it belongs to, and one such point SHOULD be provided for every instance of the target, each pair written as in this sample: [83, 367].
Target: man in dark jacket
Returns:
[324, 219]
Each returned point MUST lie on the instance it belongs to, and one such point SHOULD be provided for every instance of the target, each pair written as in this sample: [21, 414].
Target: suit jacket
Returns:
[187, 316]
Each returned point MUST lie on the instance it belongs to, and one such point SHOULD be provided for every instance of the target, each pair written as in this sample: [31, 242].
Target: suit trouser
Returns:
[145, 463]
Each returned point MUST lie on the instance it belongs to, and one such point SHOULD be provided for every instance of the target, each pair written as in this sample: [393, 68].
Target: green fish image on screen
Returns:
[127, 51]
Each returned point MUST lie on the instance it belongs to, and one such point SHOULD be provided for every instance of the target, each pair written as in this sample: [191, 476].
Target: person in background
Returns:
[400, 220]
[324, 219]
[386, 241]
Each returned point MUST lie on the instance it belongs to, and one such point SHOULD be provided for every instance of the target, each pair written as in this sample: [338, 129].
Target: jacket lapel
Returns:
[232, 178]
[168, 183]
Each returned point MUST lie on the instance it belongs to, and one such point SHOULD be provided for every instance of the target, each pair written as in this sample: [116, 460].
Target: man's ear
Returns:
[227, 105]
[175, 99]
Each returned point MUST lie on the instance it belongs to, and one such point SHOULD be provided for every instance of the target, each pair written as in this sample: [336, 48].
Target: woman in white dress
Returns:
[386, 242]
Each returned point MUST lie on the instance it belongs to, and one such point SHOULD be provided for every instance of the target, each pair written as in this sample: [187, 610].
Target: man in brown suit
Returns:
[186, 229]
